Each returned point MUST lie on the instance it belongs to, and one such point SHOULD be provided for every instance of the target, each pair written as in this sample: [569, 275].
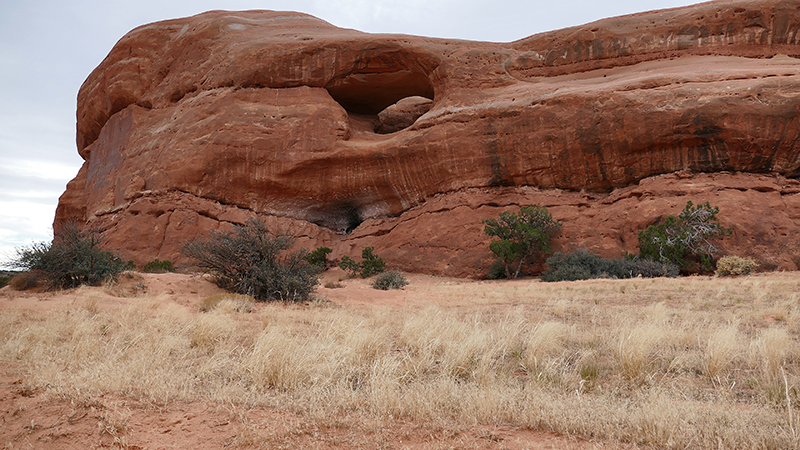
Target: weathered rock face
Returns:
[197, 123]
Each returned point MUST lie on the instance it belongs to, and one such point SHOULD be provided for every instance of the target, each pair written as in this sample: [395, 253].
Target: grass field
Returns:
[693, 362]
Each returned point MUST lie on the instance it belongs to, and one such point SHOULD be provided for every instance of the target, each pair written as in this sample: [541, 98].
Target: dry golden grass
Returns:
[672, 363]
[722, 347]
[228, 301]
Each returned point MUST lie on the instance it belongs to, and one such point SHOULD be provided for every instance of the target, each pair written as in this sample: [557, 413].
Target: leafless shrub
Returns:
[251, 260]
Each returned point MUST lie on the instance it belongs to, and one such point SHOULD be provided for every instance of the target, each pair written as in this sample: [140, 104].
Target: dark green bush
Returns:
[578, 265]
[370, 265]
[319, 258]
[522, 237]
[497, 271]
[685, 241]
[647, 268]
[72, 259]
[158, 266]
[251, 260]
[583, 265]
[392, 279]
[349, 265]
[4, 279]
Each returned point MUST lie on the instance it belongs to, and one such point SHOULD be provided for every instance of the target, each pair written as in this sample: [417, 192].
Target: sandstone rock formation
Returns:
[198, 123]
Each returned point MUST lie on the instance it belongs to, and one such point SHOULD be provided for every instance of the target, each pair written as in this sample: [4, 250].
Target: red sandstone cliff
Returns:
[196, 123]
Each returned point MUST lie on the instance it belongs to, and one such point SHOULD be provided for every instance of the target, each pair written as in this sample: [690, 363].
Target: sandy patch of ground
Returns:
[33, 419]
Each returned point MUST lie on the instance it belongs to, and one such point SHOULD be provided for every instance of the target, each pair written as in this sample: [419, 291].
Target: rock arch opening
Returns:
[384, 100]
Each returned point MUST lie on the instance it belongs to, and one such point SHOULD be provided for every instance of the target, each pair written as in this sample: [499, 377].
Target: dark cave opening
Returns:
[343, 216]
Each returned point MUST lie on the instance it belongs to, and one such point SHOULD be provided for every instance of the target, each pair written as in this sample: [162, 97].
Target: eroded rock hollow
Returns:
[406, 143]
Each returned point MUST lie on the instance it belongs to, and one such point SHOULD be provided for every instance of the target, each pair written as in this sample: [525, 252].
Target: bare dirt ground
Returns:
[36, 418]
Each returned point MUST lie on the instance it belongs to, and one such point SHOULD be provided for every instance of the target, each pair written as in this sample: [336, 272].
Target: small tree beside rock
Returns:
[521, 237]
[371, 264]
[687, 240]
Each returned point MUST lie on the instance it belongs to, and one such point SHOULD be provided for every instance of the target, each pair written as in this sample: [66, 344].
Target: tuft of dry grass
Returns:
[545, 340]
[280, 361]
[333, 284]
[228, 301]
[210, 330]
[25, 280]
[686, 363]
[636, 345]
[115, 424]
[722, 347]
[773, 344]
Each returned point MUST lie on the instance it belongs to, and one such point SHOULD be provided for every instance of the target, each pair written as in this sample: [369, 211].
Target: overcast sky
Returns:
[48, 47]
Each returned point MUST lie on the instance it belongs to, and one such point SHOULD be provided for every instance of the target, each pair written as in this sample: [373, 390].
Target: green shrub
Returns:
[73, 258]
[370, 265]
[158, 266]
[4, 280]
[735, 266]
[319, 258]
[253, 261]
[392, 279]
[349, 265]
[521, 237]
[497, 270]
[583, 265]
[579, 265]
[685, 241]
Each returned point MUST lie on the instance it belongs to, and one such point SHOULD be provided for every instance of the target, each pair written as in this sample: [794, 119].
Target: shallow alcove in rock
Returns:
[342, 216]
[376, 99]
[402, 114]
[370, 92]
